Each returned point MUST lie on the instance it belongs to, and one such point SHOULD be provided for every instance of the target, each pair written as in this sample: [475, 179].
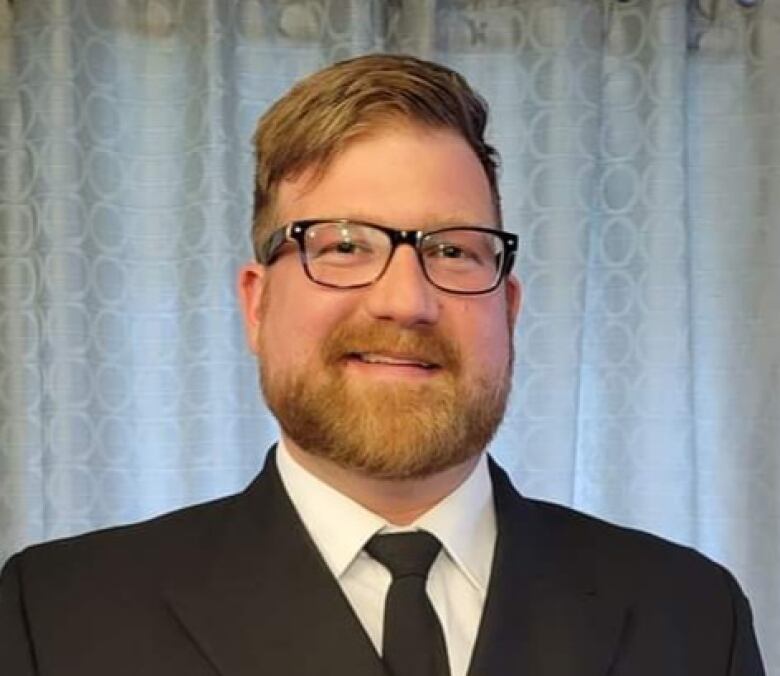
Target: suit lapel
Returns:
[544, 615]
[266, 603]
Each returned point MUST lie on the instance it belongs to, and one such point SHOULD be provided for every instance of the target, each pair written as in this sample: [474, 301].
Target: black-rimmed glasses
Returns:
[345, 254]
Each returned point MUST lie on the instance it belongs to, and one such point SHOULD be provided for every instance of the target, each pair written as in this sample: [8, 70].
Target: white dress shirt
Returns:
[464, 522]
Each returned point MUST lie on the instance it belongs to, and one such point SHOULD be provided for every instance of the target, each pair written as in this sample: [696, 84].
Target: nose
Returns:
[403, 294]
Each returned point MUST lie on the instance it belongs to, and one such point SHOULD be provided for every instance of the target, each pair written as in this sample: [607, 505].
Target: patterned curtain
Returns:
[641, 168]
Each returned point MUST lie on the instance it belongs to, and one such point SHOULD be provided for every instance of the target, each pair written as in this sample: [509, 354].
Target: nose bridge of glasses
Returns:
[398, 237]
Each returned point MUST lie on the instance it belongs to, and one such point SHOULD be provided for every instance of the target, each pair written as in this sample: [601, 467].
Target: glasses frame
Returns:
[295, 231]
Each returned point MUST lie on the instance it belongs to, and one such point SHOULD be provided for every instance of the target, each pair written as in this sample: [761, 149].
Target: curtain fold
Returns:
[641, 160]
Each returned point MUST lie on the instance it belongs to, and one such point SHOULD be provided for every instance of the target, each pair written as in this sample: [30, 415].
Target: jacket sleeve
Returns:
[745, 655]
[16, 650]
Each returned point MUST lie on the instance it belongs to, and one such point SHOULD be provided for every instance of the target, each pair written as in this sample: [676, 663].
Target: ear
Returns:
[514, 298]
[251, 284]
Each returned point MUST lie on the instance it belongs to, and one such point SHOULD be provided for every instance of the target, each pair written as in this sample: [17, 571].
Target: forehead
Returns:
[407, 177]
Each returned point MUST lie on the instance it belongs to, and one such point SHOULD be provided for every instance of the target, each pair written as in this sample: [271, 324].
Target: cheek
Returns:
[495, 348]
[282, 330]
[296, 322]
[289, 336]
[485, 337]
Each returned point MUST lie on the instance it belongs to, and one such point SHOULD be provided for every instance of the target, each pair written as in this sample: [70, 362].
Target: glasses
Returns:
[344, 254]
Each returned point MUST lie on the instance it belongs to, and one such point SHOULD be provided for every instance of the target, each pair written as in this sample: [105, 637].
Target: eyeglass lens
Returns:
[350, 254]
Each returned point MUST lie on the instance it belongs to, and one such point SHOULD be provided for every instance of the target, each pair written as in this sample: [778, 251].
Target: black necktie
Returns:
[413, 641]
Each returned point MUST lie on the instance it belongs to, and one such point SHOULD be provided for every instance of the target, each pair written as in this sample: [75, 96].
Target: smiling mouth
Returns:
[402, 361]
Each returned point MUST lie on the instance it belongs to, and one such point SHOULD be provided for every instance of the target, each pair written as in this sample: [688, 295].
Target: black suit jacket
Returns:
[237, 588]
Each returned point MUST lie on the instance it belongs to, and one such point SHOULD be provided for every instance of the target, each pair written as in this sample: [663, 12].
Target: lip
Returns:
[391, 364]
[393, 359]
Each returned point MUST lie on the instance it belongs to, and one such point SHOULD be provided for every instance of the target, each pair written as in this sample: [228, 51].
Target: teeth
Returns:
[372, 358]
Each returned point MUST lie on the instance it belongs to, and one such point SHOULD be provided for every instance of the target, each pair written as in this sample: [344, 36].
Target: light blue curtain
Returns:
[641, 168]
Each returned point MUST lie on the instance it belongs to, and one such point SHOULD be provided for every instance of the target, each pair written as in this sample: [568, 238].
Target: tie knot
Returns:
[405, 554]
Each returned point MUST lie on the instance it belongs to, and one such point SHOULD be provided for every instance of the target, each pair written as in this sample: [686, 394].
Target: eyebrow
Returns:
[427, 222]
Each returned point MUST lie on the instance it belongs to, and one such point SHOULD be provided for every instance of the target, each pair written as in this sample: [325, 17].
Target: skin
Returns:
[406, 177]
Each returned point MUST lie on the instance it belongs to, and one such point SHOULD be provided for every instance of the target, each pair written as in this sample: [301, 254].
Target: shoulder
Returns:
[180, 535]
[625, 564]
[158, 548]
[670, 594]
[636, 564]
[576, 543]
[589, 533]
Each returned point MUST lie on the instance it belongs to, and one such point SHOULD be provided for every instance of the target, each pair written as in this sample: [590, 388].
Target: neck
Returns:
[399, 502]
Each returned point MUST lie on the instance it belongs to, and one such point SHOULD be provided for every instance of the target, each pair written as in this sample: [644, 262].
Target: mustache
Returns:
[426, 344]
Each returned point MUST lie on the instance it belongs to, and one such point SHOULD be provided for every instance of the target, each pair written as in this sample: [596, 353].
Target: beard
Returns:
[388, 429]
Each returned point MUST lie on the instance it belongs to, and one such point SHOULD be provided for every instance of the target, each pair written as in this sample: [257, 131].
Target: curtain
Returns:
[641, 169]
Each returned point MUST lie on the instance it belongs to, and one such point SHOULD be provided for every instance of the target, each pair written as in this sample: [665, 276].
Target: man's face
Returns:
[342, 369]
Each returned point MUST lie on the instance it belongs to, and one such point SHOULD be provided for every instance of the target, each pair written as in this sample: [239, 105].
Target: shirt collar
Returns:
[339, 526]
[464, 522]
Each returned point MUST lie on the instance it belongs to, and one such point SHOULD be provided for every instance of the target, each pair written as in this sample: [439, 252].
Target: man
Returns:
[381, 309]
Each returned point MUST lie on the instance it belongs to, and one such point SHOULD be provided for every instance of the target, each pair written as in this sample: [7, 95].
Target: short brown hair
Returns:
[321, 114]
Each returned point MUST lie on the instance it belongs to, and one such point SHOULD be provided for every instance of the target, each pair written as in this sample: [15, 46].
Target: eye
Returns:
[344, 247]
[462, 249]
[450, 251]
